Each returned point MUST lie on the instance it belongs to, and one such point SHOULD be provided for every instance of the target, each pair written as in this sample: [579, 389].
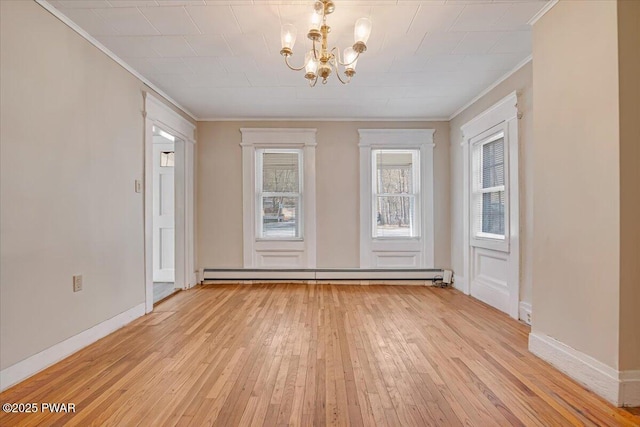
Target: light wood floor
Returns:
[161, 290]
[314, 355]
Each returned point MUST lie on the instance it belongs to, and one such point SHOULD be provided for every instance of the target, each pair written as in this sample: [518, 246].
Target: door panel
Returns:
[163, 211]
[489, 277]
[167, 249]
[166, 193]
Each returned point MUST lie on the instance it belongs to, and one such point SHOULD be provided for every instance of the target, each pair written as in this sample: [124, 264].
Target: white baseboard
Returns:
[524, 312]
[460, 284]
[193, 280]
[630, 388]
[621, 388]
[40, 361]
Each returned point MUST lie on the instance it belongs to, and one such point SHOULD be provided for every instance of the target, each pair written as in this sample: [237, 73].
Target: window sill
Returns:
[494, 244]
[392, 238]
[281, 240]
[491, 237]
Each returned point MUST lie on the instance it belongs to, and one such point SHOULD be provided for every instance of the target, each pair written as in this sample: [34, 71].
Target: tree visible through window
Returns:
[279, 195]
[395, 193]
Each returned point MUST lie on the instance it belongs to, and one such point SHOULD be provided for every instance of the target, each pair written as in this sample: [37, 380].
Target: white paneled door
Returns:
[163, 210]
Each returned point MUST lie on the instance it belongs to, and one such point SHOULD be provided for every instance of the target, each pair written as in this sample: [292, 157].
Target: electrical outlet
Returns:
[77, 283]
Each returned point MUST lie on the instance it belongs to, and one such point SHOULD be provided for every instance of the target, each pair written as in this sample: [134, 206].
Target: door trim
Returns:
[503, 112]
[156, 113]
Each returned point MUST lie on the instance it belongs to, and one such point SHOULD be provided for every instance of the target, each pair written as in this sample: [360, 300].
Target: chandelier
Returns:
[320, 61]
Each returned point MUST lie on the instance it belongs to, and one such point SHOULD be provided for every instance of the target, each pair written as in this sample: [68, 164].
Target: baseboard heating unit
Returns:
[321, 274]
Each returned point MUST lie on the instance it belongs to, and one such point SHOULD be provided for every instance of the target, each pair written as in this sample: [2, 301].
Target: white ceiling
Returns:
[220, 59]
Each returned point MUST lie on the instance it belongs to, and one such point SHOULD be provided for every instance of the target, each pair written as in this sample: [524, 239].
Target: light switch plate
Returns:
[77, 283]
[138, 186]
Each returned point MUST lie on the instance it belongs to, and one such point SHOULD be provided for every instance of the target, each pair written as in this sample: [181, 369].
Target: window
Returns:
[488, 208]
[396, 198]
[396, 193]
[279, 193]
[167, 159]
[278, 197]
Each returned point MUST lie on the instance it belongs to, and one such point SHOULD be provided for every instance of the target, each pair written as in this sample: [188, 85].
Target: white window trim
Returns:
[420, 250]
[287, 253]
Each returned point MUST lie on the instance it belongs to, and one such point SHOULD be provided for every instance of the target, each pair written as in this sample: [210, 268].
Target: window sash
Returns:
[491, 189]
[277, 194]
[278, 219]
[396, 232]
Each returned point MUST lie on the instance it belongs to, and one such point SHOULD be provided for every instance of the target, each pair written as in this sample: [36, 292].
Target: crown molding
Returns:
[491, 87]
[327, 119]
[68, 22]
[547, 7]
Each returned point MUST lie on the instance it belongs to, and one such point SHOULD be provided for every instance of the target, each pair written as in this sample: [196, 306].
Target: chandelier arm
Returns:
[336, 56]
[344, 82]
[314, 81]
[286, 61]
[337, 70]
[315, 54]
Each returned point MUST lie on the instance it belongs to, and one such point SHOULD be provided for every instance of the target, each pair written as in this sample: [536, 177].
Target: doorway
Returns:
[164, 242]
[169, 202]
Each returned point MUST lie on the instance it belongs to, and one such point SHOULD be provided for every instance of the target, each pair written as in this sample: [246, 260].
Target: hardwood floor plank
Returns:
[314, 355]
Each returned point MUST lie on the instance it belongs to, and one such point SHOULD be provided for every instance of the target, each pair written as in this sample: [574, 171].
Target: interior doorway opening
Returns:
[164, 242]
[169, 152]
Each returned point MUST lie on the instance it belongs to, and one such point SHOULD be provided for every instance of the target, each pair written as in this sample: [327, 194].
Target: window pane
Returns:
[493, 164]
[167, 159]
[280, 172]
[394, 172]
[395, 216]
[493, 213]
[280, 217]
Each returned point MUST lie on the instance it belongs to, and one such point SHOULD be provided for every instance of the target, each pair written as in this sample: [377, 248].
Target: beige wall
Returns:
[337, 179]
[71, 148]
[576, 186]
[522, 82]
[629, 72]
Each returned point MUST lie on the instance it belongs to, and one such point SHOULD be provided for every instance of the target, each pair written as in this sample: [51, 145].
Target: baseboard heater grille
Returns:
[320, 274]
